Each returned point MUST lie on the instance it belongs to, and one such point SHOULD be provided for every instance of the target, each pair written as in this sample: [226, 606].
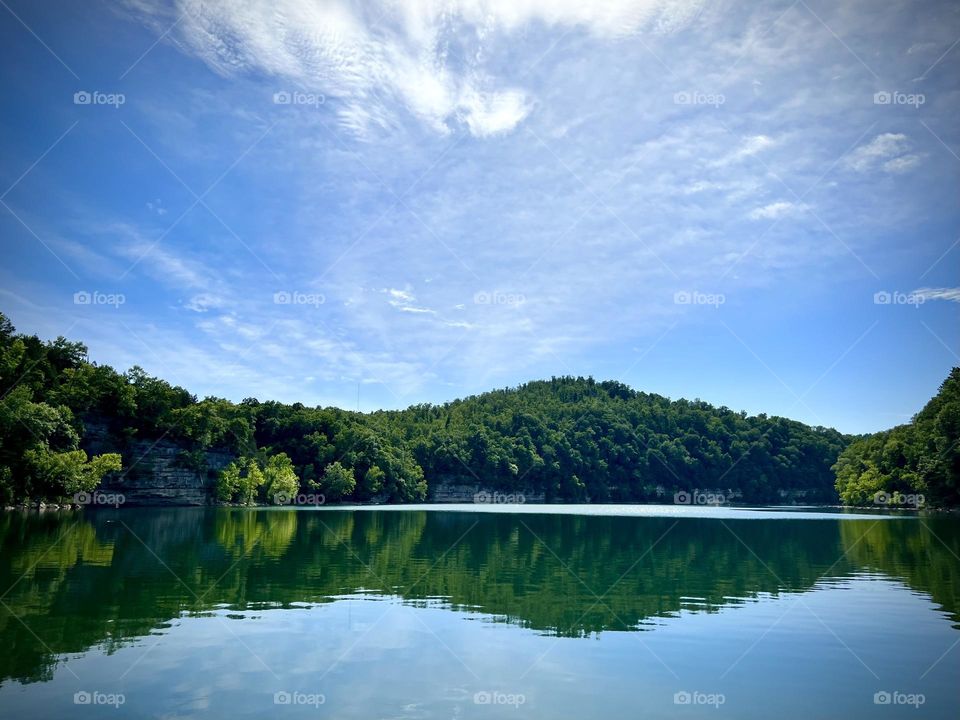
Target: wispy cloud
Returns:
[951, 294]
[429, 58]
[776, 210]
[888, 151]
[484, 192]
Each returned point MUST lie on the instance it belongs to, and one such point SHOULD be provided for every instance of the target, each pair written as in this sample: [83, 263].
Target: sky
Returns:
[377, 204]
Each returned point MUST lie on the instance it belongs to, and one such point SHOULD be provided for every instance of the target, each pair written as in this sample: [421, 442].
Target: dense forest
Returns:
[573, 439]
[911, 465]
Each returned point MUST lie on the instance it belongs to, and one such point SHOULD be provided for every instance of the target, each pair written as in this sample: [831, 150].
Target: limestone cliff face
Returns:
[155, 474]
[158, 472]
[451, 491]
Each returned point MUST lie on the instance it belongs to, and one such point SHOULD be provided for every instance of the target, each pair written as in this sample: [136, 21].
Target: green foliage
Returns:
[921, 458]
[337, 482]
[213, 422]
[240, 481]
[572, 439]
[39, 454]
[577, 439]
[281, 481]
[372, 482]
[61, 474]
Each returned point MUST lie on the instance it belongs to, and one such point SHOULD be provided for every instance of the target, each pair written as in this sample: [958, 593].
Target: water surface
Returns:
[567, 612]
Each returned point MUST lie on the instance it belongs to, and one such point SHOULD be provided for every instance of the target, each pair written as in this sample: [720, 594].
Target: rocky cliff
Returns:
[158, 472]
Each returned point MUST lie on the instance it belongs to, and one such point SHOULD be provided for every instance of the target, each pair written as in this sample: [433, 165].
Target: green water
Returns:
[588, 612]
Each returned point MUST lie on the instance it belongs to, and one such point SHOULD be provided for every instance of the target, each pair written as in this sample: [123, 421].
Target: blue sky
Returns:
[292, 200]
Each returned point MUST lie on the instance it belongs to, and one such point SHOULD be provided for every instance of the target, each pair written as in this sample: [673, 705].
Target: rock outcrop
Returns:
[157, 472]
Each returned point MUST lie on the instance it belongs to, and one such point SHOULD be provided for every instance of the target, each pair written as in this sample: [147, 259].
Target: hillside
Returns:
[909, 465]
[567, 438]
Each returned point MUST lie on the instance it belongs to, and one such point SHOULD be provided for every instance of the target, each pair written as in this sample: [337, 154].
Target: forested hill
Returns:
[911, 465]
[569, 438]
[578, 439]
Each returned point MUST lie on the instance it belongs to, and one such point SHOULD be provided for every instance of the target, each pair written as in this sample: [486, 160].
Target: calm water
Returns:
[453, 613]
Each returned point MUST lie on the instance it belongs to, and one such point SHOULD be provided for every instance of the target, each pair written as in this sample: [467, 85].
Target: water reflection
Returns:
[70, 582]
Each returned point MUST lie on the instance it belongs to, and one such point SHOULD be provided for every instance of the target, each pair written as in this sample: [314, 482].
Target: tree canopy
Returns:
[920, 460]
[573, 439]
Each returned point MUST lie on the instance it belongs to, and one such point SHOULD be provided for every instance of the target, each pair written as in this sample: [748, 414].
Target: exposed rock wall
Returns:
[158, 472]
[454, 492]
[155, 474]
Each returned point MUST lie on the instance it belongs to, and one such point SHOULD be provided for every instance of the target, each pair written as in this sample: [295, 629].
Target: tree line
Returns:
[910, 465]
[571, 439]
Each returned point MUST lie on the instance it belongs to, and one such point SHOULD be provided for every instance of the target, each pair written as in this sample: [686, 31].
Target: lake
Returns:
[467, 612]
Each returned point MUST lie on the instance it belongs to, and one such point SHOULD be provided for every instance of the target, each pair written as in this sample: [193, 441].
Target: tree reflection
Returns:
[75, 581]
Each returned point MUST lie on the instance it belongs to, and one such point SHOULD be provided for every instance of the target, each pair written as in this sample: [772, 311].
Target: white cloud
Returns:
[750, 146]
[888, 151]
[427, 57]
[203, 302]
[901, 164]
[156, 206]
[951, 294]
[403, 301]
[776, 210]
[626, 191]
[159, 259]
[398, 296]
[493, 114]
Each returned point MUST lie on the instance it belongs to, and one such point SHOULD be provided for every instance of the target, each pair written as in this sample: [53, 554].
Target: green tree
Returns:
[920, 458]
[240, 481]
[281, 481]
[337, 481]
